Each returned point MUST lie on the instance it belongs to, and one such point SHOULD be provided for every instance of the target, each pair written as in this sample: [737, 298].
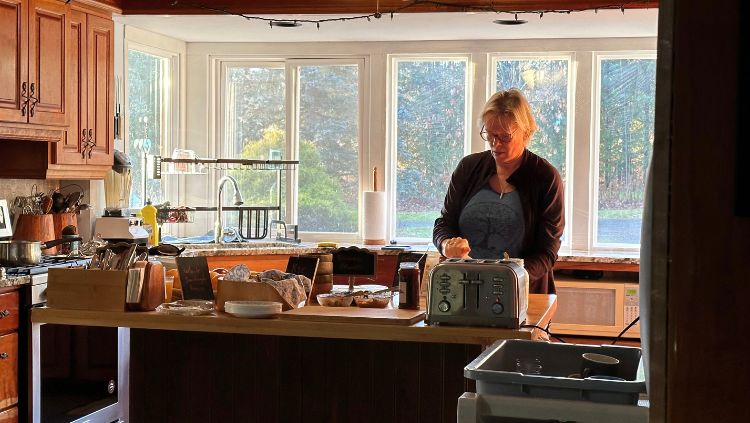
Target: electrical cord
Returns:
[626, 329]
[545, 331]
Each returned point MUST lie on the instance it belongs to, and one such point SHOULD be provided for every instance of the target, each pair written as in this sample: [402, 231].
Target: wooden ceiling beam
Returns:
[326, 7]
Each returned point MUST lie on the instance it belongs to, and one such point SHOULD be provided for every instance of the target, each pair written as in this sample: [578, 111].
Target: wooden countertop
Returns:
[541, 309]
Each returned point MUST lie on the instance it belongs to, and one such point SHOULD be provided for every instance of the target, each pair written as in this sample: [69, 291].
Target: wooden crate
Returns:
[80, 289]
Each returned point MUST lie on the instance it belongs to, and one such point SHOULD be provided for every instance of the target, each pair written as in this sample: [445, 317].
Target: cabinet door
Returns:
[101, 76]
[14, 36]
[48, 32]
[71, 149]
[9, 416]
[8, 370]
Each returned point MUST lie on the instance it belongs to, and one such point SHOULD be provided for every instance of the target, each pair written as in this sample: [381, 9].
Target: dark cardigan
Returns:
[540, 188]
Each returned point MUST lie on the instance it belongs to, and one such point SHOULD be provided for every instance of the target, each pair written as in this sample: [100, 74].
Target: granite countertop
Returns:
[610, 257]
[266, 248]
[270, 247]
[11, 281]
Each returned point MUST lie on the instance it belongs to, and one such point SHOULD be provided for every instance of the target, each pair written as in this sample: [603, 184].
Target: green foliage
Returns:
[430, 139]
[544, 82]
[627, 131]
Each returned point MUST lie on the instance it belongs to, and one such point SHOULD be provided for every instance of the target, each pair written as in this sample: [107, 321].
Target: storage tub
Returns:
[495, 372]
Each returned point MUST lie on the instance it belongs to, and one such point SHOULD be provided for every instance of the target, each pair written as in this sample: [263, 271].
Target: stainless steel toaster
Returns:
[477, 292]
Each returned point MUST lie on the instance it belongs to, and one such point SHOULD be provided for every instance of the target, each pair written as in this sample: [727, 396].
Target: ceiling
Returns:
[403, 27]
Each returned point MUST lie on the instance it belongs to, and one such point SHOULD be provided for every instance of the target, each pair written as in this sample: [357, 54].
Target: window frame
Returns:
[391, 148]
[593, 208]
[291, 66]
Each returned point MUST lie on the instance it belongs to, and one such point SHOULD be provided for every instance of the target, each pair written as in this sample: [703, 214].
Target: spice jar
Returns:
[408, 286]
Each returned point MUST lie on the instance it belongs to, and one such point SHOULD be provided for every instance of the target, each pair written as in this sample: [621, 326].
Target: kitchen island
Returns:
[223, 369]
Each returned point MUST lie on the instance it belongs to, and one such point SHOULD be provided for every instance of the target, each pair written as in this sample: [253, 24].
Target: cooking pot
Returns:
[27, 253]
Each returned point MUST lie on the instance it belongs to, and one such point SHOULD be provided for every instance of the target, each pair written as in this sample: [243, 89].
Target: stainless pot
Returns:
[27, 253]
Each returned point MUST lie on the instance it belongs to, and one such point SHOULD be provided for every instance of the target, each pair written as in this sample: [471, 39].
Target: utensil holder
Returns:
[36, 227]
[61, 220]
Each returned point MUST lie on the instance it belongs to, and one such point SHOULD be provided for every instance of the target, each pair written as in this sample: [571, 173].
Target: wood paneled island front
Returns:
[225, 369]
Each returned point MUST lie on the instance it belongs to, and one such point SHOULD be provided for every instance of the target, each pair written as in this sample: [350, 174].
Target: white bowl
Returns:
[252, 309]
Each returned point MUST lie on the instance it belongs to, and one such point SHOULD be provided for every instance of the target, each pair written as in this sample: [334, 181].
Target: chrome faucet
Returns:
[219, 226]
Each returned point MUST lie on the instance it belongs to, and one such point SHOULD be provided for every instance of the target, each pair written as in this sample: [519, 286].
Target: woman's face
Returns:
[505, 139]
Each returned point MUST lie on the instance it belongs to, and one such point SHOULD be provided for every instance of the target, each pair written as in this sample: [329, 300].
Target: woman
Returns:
[506, 199]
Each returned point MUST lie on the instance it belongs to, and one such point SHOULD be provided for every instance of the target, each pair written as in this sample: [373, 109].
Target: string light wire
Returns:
[378, 14]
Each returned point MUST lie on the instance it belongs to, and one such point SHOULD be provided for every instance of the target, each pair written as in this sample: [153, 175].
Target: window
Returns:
[148, 128]
[297, 109]
[625, 137]
[430, 112]
[328, 137]
[544, 82]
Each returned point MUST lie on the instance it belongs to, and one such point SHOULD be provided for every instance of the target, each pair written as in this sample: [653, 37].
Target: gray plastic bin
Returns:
[495, 372]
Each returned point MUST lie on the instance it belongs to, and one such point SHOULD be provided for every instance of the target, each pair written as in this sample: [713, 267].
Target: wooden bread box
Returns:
[103, 290]
[81, 289]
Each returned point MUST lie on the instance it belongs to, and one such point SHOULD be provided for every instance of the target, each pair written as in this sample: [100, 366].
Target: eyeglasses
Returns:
[493, 139]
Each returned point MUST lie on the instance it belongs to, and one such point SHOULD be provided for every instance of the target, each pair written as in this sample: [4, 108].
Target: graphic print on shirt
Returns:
[493, 224]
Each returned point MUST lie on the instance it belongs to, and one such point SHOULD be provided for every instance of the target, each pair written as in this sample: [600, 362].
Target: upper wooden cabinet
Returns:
[56, 86]
[90, 136]
[33, 40]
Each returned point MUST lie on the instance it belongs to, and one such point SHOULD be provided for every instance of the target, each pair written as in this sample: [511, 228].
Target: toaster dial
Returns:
[497, 308]
[444, 306]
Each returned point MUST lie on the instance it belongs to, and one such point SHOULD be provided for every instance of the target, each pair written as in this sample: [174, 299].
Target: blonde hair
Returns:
[512, 104]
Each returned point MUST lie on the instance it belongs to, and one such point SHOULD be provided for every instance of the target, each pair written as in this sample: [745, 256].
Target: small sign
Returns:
[303, 265]
[353, 261]
[195, 279]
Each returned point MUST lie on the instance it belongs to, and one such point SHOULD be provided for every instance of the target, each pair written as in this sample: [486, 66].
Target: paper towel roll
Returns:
[373, 232]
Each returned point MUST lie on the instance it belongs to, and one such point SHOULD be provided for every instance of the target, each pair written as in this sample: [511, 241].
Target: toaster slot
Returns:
[478, 285]
[465, 284]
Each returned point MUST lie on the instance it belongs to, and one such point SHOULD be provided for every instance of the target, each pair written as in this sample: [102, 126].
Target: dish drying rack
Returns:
[200, 166]
[253, 222]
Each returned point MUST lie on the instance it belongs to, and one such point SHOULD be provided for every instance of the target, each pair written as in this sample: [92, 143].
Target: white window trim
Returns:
[392, 136]
[291, 65]
[593, 209]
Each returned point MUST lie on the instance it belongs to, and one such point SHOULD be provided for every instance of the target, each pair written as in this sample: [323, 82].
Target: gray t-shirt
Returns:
[493, 224]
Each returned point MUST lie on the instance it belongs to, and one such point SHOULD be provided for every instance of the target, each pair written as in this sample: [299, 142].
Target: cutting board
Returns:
[382, 316]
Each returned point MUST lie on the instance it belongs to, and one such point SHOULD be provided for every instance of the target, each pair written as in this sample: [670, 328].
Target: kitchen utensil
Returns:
[24, 253]
[72, 200]
[46, 204]
[58, 202]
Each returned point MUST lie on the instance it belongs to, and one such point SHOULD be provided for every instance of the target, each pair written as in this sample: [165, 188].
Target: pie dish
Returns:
[252, 309]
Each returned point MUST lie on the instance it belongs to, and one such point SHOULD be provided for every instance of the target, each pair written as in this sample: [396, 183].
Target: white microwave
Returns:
[601, 307]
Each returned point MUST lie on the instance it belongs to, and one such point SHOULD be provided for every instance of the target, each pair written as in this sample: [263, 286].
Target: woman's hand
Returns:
[456, 248]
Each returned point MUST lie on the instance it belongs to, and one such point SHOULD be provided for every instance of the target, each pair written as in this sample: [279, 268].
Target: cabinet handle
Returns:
[25, 98]
[33, 99]
[84, 143]
[3, 355]
[4, 313]
[91, 141]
